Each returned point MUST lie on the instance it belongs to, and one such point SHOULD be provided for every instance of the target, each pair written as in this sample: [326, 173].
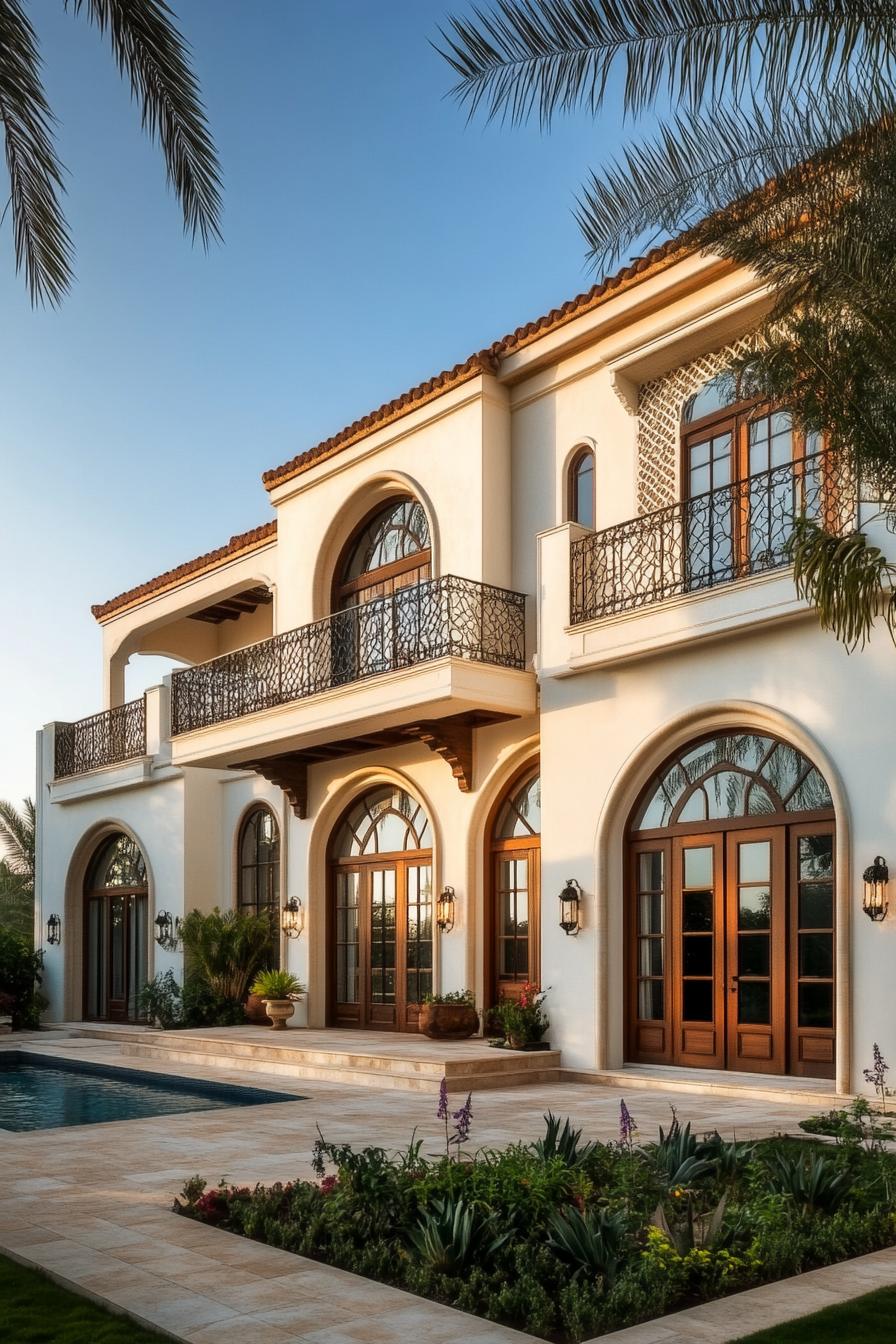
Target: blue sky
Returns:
[372, 238]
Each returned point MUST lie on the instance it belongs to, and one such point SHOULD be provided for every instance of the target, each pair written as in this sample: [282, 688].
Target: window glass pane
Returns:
[817, 955]
[812, 795]
[650, 913]
[697, 911]
[650, 871]
[399, 530]
[583, 490]
[753, 954]
[714, 395]
[521, 814]
[816, 905]
[697, 954]
[755, 908]
[650, 956]
[754, 1002]
[754, 861]
[697, 1000]
[699, 480]
[650, 1000]
[695, 808]
[816, 1005]
[816, 856]
[698, 867]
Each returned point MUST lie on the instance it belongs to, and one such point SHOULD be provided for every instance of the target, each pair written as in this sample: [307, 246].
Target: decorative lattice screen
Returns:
[660, 404]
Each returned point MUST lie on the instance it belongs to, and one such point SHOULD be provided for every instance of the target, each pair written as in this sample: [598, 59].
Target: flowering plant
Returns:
[877, 1076]
[463, 1120]
[522, 1019]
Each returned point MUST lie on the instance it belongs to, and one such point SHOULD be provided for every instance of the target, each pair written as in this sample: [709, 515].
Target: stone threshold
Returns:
[817, 1093]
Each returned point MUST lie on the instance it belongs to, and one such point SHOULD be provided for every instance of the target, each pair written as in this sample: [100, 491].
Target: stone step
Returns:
[793, 1091]
[353, 1071]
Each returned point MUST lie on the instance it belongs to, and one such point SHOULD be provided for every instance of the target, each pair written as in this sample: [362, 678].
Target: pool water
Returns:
[44, 1092]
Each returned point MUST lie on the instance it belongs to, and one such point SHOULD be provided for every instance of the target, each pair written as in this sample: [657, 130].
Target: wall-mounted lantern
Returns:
[570, 900]
[54, 929]
[167, 931]
[292, 918]
[876, 878]
[445, 909]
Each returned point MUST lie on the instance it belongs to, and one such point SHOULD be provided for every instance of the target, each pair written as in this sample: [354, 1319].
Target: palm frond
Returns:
[849, 581]
[17, 836]
[42, 243]
[154, 56]
[522, 57]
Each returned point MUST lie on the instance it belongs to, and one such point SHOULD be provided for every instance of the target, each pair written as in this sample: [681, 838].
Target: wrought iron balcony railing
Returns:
[446, 617]
[730, 533]
[108, 738]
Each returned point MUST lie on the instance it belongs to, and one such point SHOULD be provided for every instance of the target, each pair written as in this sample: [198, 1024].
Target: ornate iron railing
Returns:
[446, 617]
[108, 738]
[726, 534]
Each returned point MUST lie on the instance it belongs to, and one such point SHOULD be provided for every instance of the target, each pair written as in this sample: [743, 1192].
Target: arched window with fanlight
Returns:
[381, 912]
[513, 954]
[730, 911]
[746, 472]
[116, 935]
[581, 506]
[258, 870]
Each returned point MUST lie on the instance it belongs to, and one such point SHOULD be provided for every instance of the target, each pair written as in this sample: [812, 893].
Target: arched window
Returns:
[390, 550]
[580, 506]
[116, 935]
[258, 878]
[381, 912]
[730, 911]
[513, 935]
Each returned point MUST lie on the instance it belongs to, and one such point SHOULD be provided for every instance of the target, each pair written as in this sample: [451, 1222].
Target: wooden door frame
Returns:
[499, 850]
[529, 770]
[738, 1039]
[400, 861]
[804, 1041]
[637, 1028]
[712, 1050]
[106, 895]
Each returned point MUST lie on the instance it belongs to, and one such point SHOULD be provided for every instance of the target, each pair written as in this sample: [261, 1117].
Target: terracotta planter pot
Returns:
[448, 1021]
[279, 1011]
[255, 1012]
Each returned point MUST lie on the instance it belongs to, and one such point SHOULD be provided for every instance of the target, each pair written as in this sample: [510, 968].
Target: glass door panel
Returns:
[756, 951]
[96, 959]
[647, 920]
[418, 944]
[512, 909]
[137, 952]
[710, 519]
[698, 903]
[812, 953]
[347, 944]
[382, 936]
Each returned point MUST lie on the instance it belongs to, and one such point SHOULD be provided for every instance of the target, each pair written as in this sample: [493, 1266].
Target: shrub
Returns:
[459, 996]
[161, 1001]
[593, 1242]
[204, 1007]
[227, 950]
[523, 1019]
[21, 971]
[276, 985]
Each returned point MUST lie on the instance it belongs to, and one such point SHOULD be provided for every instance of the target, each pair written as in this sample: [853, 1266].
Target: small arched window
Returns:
[580, 505]
[390, 550]
[258, 883]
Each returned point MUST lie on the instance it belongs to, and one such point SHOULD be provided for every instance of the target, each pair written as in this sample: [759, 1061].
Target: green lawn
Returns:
[865, 1320]
[37, 1311]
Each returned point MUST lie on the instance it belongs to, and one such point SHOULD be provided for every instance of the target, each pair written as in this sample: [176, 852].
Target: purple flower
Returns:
[463, 1119]
[442, 1112]
[627, 1124]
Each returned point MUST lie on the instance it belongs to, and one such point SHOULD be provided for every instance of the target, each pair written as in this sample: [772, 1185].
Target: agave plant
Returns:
[678, 1157]
[594, 1242]
[452, 1235]
[688, 1230]
[728, 1159]
[814, 1182]
[564, 1143]
[228, 949]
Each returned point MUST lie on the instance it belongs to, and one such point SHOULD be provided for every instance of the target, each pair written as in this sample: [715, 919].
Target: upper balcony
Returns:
[430, 661]
[697, 569]
[101, 740]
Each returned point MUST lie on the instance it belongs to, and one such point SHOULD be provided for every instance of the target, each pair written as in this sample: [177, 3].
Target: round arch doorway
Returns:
[116, 931]
[730, 910]
[380, 928]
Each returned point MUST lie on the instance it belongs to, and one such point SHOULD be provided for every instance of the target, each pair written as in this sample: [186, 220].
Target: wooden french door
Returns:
[381, 935]
[731, 950]
[515, 916]
[115, 954]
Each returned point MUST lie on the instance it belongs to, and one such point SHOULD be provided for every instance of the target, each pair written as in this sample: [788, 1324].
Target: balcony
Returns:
[104, 739]
[448, 650]
[736, 532]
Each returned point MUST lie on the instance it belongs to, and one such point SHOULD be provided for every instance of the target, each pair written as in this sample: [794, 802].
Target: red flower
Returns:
[328, 1185]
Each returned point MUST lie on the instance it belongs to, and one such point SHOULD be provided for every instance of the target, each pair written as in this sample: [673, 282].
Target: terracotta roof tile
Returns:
[241, 544]
[485, 361]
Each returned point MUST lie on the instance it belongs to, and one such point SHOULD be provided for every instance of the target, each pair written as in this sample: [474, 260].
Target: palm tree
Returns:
[775, 145]
[17, 837]
[153, 56]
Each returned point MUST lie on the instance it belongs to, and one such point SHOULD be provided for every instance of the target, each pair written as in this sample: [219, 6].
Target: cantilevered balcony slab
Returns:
[447, 652]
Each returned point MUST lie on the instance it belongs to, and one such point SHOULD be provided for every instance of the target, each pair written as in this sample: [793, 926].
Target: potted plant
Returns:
[522, 1019]
[277, 989]
[449, 1017]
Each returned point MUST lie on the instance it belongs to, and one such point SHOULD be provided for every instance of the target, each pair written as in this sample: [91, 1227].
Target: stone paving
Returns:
[91, 1205]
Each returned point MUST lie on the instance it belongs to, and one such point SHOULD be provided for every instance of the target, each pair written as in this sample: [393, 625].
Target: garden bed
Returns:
[567, 1238]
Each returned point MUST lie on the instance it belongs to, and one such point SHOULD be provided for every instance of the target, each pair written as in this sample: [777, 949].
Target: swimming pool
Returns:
[46, 1092]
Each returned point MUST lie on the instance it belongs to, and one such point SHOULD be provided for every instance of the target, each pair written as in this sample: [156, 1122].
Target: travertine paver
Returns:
[91, 1205]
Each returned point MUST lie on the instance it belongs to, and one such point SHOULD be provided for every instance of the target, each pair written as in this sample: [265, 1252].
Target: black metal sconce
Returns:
[875, 880]
[292, 919]
[167, 931]
[570, 900]
[445, 909]
[54, 929]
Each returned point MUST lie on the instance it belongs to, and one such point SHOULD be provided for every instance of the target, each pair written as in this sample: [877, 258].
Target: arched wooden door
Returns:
[512, 943]
[730, 912]
[116, 933]
[381, 913]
